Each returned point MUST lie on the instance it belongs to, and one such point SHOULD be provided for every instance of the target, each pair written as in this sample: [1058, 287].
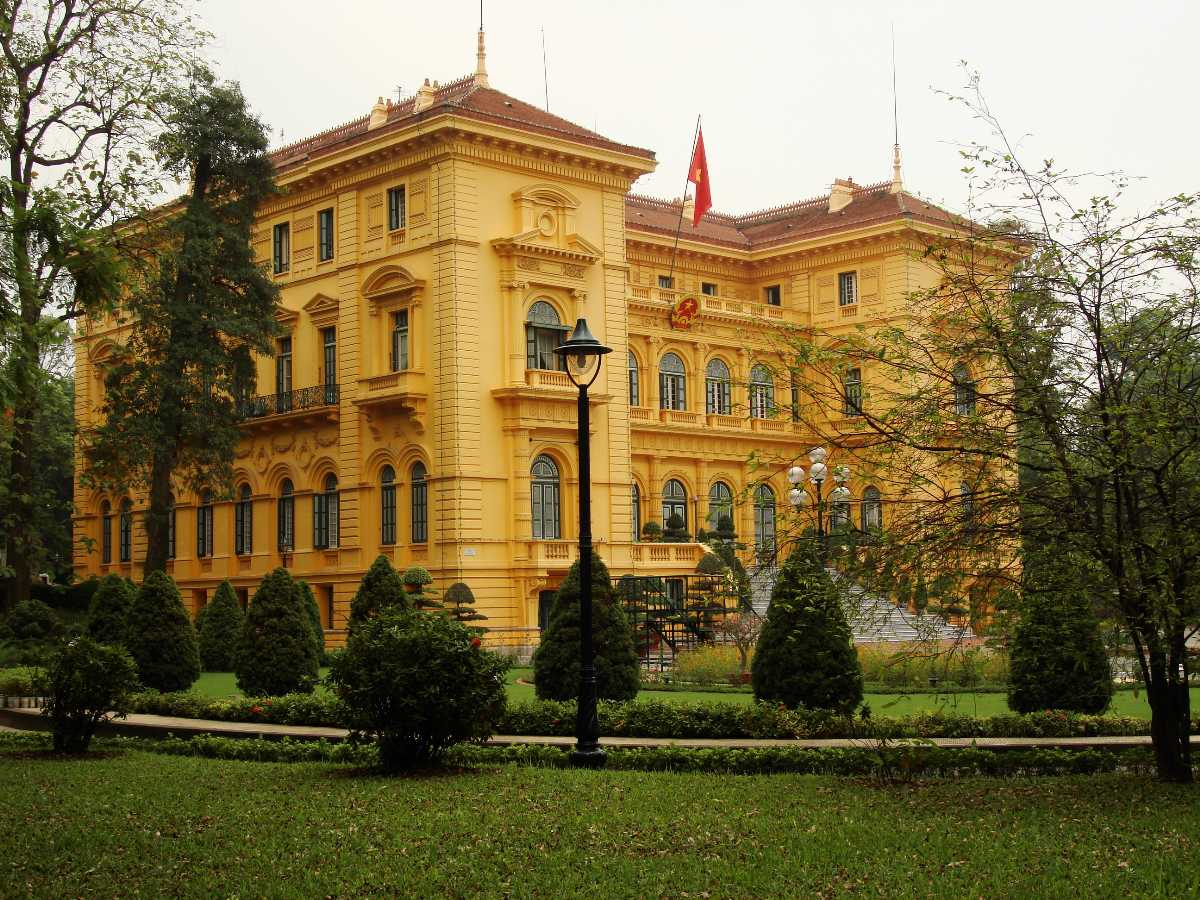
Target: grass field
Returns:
[148, 825]
[1125, 703]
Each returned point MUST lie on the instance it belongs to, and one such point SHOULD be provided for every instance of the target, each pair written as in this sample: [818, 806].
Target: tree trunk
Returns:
[1170, 711]
[22, 541]
[158, 516]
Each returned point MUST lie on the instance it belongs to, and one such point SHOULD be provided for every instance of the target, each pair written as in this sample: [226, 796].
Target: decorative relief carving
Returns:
[326, 438]
[283, 443]
[262, 459]
[530, 265]
[572, 271]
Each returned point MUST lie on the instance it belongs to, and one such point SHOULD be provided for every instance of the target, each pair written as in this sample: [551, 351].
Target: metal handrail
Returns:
[289, 401]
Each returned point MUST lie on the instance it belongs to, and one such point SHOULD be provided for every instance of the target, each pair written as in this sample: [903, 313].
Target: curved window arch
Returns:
[764, 522]
[672, 383]
[762, 392]
[243, 522]
[718, 391]
[544, 331]
[674, 503]
[171, 527]
[964, 391]
[105, 532]
[204, 525]
[720, 505]
[635, 381]
[325, 515]
[387, 506]
[545, 496]
[419, 503]
[285, 515]
[872, 509]
[636, 507]
[125, 530]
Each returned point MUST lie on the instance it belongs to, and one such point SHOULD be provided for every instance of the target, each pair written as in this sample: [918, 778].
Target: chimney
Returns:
[425, 95]
[841, 194]
[379, 114]
[689, 208]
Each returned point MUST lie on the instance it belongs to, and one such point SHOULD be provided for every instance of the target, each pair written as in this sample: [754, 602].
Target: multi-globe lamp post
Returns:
[581, 354]
[817, 474]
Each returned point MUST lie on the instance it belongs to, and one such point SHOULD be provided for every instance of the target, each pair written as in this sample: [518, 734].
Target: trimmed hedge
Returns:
[220, 626]
[277, 653]
[160, 636]
[108, 613]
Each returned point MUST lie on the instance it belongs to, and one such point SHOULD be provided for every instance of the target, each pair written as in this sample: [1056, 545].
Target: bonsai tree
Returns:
[725, 530]
[277, 654]
[314, 619]
[381, 588]
[676, 532]
[460, 601]
[652, 532]
[1057, 658]
[711, 564]
[556, 660]
[418, 684]
[160, 637]
[220, 625]
[805, 655]
[84, 682]
[417, 581]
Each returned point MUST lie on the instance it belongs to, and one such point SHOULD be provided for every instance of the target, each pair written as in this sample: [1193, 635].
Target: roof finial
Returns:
[481, 78]
[897, 181]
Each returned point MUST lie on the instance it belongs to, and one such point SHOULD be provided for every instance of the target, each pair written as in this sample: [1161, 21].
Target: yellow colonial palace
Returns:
[430, 256]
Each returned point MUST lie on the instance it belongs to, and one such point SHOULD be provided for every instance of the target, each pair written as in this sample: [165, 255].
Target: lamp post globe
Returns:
[796, 476]
[581, 353]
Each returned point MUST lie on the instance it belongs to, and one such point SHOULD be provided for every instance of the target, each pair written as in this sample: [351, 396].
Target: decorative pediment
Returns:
[287, 317]
[390, 281]
[544, 219]
[322, 309]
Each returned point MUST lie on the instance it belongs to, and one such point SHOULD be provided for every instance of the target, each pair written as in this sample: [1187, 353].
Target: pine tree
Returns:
[277, 654]
[220, 625]
[109, 611]
[314, 618]
[556, 660]
[380, 589]
[417, 581]
[160, 637]
[805, 655]
[460, 601]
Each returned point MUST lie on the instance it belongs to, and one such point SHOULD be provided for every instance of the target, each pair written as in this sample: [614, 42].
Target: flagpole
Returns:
[683, 201]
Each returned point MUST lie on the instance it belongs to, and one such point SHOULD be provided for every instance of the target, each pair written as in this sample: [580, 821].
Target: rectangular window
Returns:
[329, 355]
[287, 524]
[420, 511]
[666, 282]
[847, 288]
[325, 234]
[326, 607]
[126, 527]
[283, 375]
[282, 243]
[106, 538]
[320, 522]
[853, 389]
[773, 295]
[708, 289]
[400, 340]
[387, 509]
[395, 200]
[243, 528]
[204, 531]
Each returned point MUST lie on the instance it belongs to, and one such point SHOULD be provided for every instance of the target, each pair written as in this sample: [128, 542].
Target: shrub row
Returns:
[868, 688]
[18, 682]
[641, 718]
[890, 763]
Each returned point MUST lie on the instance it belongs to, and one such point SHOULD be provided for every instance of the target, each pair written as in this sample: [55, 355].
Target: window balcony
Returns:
[320, 402]
[406, 390]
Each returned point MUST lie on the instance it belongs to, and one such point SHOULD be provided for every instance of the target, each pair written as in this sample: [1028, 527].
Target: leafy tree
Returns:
[460, 600]
[314, 618]
[160, 636]
[556, 659]
[711, 564]
[32, 620]
[80, 84]
[805, 655]
[419, 684]
[84, 683]
[220, 625]
[203, 309]
[277, 654]
[108, 618]
[417, 581]
[380, 589]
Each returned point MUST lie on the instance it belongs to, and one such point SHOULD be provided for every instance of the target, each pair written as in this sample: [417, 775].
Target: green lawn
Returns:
[1125, 703]
[148, 825]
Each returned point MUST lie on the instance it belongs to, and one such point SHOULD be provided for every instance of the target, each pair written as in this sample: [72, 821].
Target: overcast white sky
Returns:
[793, 94]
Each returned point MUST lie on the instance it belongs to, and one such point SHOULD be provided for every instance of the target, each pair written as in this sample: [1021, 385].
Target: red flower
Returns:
[476, 643]
[256, 709]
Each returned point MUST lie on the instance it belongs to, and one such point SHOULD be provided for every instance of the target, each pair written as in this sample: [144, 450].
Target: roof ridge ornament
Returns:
[481, 76]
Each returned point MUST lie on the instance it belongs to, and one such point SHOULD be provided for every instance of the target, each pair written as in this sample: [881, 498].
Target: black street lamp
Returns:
[581, 352]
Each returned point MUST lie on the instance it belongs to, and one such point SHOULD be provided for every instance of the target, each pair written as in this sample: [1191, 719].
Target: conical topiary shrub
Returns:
[805, 656]
[314, 619]
[380, 589]
[109, 610]
[556, 660]
[460, 604]
[1057, 659]
[277, 654]
[160, 637]
[417, 581]
[220, 625]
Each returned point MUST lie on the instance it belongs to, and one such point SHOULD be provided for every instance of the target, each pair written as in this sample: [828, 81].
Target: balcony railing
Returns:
[291, 401]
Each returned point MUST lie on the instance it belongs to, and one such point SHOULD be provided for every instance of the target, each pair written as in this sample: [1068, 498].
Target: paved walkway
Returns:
[160, 726]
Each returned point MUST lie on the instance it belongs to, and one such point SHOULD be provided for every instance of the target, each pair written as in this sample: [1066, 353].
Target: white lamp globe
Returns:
[817, 454]
[819, 471]
[798, 497]
[796, 475]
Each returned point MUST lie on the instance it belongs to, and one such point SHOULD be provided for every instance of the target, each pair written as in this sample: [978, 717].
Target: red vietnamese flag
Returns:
[698, 175]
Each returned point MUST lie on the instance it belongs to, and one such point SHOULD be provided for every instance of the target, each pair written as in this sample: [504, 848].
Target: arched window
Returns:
[674, 503]
[171, 527]
[718, 396]
[286, 517]
[325, 515]
[543, 332]
[720, 505]
[635, 384]
[764, 523]
[105, 532]
[872, 509]
[672, 383]
[243, 523]
[964, 391]
[545, 497]
[852, 392]
[419, 518]
[125, 527]
[762, 393]
[204, 525]
[636, 500]
[387, 506]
